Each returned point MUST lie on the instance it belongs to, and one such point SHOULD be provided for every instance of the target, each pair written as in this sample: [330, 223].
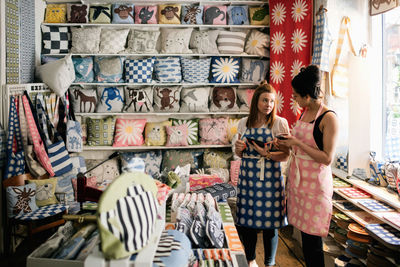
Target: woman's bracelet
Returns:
[268, 156]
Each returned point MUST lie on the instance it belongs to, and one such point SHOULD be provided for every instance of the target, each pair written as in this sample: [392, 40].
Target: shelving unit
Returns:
[105, 148]
[167, 84]
[158, 55]
[160, 114]
[113, 25]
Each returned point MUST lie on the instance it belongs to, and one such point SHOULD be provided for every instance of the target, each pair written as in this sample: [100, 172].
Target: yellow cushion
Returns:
[232, 128]
[56, 13]
[259, 16]
[45, 190]
[155, 134]
[169, 14]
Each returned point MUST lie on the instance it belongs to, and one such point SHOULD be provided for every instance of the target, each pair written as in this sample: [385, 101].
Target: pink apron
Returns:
[309, 187]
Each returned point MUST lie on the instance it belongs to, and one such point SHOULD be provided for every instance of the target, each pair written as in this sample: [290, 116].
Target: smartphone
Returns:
[259, 143]
[281, 137]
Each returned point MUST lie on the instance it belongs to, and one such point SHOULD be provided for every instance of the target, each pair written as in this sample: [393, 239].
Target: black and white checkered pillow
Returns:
[139, 70]
[55, 40]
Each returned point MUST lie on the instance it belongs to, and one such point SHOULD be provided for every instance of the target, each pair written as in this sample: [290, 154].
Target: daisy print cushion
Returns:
[225, 70]
[129, 132]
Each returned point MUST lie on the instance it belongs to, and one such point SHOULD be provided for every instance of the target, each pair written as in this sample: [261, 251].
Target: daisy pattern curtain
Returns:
[291, 33]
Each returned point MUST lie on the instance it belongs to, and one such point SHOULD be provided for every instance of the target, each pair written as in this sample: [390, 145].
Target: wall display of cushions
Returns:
[113, 41]
[215, 15]
[110, 98]
[174, 158]
[85, 40]
[166, 99]
[225, 70]
[142, 41]
[245, 96]
[55, 40]
[139, 70]
[109, 170]
[100, 13]
[213, 131]
[177, 135]
[216, 159]
[168, 70]
[109, 69]
[195, 99]
[21, 199]
[230, 42]
[195, 70]
[169, 14]
[259, 15]
[223, 99]
[204, 42]
[238, 15]
[193, 129]
[138, 99]
[83, 69]
[129, 132]
[146, 14]
[254, 70]
[45, 189]
[152, 161]
[122, 13]
[56, 13]
[77, 13]
[175, 41]
[155, 134]
[100, 132]
[257, 43]
[192, 14]
[83, 100]
[232, 128]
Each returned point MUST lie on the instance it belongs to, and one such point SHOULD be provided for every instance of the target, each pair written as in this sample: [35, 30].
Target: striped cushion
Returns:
[231, 42]
[59, 158]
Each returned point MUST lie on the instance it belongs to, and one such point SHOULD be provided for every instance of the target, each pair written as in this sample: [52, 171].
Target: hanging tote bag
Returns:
[74, 133]
[15, 160]
[339, 74]
[322, 41]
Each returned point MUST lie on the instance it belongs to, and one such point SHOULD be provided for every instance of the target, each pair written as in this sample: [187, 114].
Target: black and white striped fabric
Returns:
[165, 246]
[132, 221]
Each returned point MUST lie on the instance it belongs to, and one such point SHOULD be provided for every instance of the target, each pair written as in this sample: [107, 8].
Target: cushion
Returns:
[232, 128]
[225, 70]
[83, 69]
[129, 132]
[230, 42]
[112, 41]
[245, 96]
[146, 14]
[21, 199]
[175, 41]
[55, 40]
[100, 132]
[215, 15]
[100, 13]
[196, 70]
[238, 15]
[110, 98]
[85, 40]
[109, 170]
[175, 158]
[223, 99]
[46, 59]
[193, 129]
[142, 41]
[213, 131]
[169, 14]
[64, 182]
[254, 70]
[220, 172]
[45, 189]
[216, 158]
[195, 99]
[83, 100]
[90, 181]
[139, 70]
[56, 13]
[192, 14]
[138, 99]
[204, 42]
[109, 69]
[177, 135]
[77, 13]
[198, 158]
[166, 99]
[259, 15]
[168, 70]
[234, 171]
[257, 44]
[220, 192]
[155, 134]
[152, 161]
[122, 13]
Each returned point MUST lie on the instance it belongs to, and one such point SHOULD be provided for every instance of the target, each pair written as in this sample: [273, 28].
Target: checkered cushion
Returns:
[113, 41]
[196, 70]
[139, 70]
[55, 40]
[42, 212]
[341, 163]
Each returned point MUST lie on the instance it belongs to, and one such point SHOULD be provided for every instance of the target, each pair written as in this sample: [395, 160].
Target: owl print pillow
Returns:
[177, 135]
[213, 131]
[216, 159]
[175, 41]
[155, 134]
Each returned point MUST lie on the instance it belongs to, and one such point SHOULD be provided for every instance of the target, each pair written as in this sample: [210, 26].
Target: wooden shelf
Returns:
[357, 216]
[158, 55]
[128, 148]
[168, 84]
[260, 2]
[112, 25]
[161, 114]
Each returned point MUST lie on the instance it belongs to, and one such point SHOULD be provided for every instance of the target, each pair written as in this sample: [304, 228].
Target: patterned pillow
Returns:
[198, 158]
[109, 170]
[46, 59]
[175, 158]
[64, 183]
[245, 96]
[83, 69]
[155, 134]
[232, 128]
[55, 40]
[230, 42]
[56, 13]
[168, 70]
[196, 70]
[138, 99]
[45, 189]
[194, 99]
[166, 99]
[100, 132]
[21, 199]
[216, 158]
[204, 42]
[193, 129]
[177, 135]
[100, 13]
[213, 131]
[129, 132]
[223, 99]
[83, 100]
[152, 161]
[141, 42]
[85, 40]
[90, 181]
[257, 44]
[254, 70]
[113, 41]
[238, 15]
[225, 70]
[122, 13]
[175, 41]
[146, 14]
[110, 98]
[77, 13]
[109, 69]
[169, 14]
[139, 70]
[192, 14]
[259, 15]
[215, 15]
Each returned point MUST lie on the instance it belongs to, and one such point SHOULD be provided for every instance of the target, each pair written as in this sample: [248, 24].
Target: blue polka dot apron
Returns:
[260, 198]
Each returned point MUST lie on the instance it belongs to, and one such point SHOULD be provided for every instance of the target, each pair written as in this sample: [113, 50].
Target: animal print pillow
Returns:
[192, 14]
[204, 42]
[110, 98]
[146, 14]
[109, 170]
[213, 131]
[215, 15]
[196, 70]
[85, 40]
[109, 69]
[169, 14]
[83, 100]
[195, 99]
[100, 13]
[254, 70]
[21, 199]
[155, 134]
[77, 13]
[245, 96]
[259, 15]
[56, 13]
[138, 99]
[129, 132]
[175, 41]
[257, 44]
[168, 70]
[122, 14]
[177, 135]
[175, 158]
[223, 99]
[112, 41]
[193, 129]
[216, 158]
[152, 161]
[83, 69]
[142, 41]
[238, 15]
[100, 132]
[45, 189]
[225, 70]
[166, 99]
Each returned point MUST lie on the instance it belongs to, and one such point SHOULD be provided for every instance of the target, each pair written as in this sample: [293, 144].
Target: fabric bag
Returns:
[74, 142]
[322, 41]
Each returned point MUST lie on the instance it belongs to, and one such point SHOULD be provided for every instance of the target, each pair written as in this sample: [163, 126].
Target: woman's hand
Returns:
[263, 151]
[240, 145]
[287, 142]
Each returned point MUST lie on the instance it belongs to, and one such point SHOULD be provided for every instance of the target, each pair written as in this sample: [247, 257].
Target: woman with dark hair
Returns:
[312, 146]
[260, 199]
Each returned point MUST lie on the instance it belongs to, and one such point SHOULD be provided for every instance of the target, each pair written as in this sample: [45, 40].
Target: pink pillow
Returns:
[235, 169]
[90, 181]
[211, 11]
[145, 14]
[129, 132]
[213, 131]
[177, 135]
